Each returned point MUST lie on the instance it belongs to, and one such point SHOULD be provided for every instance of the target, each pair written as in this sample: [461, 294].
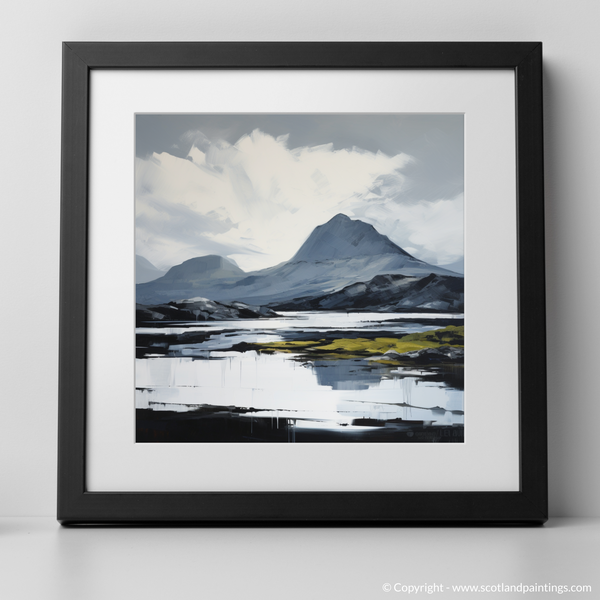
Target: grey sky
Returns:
[435, 141]
[403, 173]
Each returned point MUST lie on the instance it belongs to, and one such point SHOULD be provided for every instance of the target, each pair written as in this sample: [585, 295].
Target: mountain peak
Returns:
[339, 218]
[343, 237]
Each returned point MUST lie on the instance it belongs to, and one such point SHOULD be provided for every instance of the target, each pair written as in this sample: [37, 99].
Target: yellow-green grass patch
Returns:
[287, 346]
[361, 347]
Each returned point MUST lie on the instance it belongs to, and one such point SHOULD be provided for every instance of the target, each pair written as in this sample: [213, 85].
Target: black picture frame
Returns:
[76, 505]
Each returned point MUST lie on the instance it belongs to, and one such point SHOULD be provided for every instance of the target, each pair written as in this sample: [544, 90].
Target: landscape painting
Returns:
[299, 278]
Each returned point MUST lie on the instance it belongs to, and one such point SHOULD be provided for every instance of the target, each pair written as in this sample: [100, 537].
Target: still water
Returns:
[312, 391]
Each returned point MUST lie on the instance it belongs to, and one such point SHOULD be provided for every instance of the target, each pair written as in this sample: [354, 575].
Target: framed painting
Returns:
[302, 282]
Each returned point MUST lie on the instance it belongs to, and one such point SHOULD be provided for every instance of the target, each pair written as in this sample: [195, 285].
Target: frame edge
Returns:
[75, 505]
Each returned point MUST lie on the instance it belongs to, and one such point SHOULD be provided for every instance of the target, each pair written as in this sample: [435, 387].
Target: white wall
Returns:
[31, 36]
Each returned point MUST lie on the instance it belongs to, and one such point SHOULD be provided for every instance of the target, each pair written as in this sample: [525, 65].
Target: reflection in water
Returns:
[347, 374]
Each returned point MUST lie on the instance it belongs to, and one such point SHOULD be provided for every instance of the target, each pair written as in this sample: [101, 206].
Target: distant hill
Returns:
[201, 269]
[145, 271]
[458, 266]
[189, 279]
[336, 254]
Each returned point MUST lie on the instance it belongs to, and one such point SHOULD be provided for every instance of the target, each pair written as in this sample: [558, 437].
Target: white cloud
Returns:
[431, 231]
[257, 201]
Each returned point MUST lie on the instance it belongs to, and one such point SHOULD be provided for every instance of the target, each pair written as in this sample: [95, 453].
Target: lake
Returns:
[208, 381]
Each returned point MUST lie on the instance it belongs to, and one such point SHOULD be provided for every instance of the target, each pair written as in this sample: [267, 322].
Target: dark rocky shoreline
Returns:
[200, 309]
[233, 426]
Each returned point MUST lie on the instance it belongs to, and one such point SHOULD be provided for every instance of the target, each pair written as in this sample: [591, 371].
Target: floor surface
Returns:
[39, 559]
